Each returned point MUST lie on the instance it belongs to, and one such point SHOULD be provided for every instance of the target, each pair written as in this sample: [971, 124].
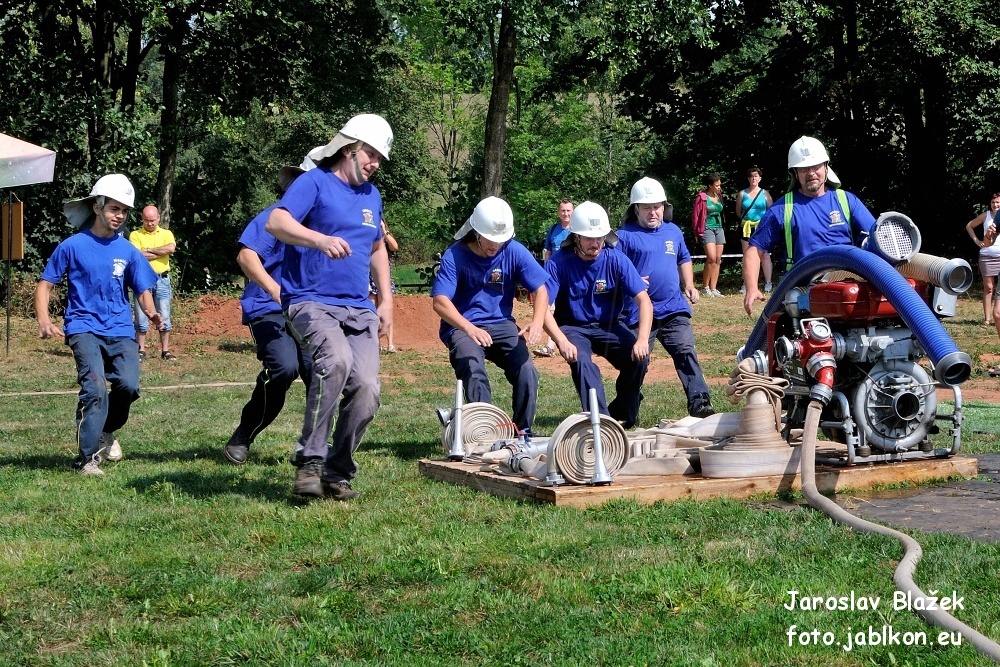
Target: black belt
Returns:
[165, 274]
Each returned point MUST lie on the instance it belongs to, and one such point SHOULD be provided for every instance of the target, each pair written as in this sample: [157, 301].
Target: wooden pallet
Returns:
[648, 490]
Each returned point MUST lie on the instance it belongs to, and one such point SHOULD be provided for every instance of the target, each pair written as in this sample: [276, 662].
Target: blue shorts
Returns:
[162, 293]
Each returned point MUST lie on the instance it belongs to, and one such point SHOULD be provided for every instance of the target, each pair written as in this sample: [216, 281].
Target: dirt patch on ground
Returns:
[215, 317]
[416, 328]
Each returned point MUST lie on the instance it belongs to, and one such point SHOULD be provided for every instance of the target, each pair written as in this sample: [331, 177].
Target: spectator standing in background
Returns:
[157, 245]
[707, 220]
[989, 254]
[392, 247]
[751, 204]
[553, 239]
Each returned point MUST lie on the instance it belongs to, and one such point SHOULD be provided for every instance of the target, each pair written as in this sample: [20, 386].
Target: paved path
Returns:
[968, 508]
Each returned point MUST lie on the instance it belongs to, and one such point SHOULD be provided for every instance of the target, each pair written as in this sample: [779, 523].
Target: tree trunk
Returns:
[496, 116]
[169, 122]
[134, 55]
[102, 29]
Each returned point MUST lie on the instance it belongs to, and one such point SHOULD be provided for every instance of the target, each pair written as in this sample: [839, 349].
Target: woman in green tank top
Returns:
[714, 238]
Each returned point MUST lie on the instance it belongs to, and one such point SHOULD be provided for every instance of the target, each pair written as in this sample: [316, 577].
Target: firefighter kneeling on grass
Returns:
[588, 284]
[473, 295]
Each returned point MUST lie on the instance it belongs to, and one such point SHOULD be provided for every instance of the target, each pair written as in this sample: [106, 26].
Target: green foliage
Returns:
[575, 145]
[604, 93]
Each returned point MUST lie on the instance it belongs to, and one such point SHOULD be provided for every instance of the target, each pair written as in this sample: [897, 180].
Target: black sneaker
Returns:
[236, 452]
[307, 478]
[339, 490]
[703, 411]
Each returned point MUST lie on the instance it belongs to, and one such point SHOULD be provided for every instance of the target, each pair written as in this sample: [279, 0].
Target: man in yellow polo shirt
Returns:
[157, 245]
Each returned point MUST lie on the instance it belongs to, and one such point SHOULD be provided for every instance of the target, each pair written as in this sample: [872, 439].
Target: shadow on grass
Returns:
[208, 485]
[53, 461]
[546, 424]
[405, 451]
[203, 453]
[59, 351]
[241, 347]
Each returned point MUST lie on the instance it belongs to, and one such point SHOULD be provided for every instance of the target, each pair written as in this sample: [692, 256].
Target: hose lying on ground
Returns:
[907, 565]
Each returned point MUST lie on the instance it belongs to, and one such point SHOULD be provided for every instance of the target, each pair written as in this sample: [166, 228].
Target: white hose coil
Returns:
[573, 444]
[482, 424]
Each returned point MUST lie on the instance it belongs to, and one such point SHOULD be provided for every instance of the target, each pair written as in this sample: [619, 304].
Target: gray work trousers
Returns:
[343, 345]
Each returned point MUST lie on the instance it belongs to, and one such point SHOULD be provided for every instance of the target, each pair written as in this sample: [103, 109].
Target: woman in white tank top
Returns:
[989, 253]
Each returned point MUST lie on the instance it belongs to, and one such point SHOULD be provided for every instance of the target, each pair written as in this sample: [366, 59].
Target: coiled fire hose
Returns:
[744, 382]
[571, 447]
[903, 576]
[482, 424]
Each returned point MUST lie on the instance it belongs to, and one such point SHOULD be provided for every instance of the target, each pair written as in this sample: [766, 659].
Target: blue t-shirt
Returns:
[482, 288]
[591, 292]
[555, 236]
[98, 271]
[817, 223]
[656, 254]
[325, 204]
[255, 302]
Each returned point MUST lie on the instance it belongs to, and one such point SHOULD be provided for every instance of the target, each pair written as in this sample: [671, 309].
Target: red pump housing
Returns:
[854, 302]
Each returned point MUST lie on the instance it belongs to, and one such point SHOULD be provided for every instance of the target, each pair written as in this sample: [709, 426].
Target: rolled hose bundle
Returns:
[571, 447]
[482, 424]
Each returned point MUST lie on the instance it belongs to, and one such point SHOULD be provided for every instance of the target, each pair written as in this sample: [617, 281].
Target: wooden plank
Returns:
[648, 490]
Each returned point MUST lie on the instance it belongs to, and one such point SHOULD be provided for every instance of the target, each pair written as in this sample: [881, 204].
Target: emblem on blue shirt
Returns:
[369, 217]
[835, 218]
[119, 269]
[668, 248]
[600, 286]
[496, 276]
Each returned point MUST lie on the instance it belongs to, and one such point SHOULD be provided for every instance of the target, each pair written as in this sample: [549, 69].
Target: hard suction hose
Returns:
[951, 366]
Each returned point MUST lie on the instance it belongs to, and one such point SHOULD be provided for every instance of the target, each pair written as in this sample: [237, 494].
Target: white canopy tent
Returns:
[21, 163]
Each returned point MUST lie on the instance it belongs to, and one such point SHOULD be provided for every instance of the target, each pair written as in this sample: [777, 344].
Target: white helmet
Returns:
[288, 173]
[367, 127]
[647, 191]
[113, 186]
[806, 152]
[492, 219]
[590, 220]
[809, 152]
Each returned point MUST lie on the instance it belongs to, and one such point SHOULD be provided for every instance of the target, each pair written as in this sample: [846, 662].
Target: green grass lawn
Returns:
[177, 558]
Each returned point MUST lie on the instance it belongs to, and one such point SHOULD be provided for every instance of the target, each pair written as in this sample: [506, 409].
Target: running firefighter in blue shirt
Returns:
[100, 266]
[260, 257]
[330, 222]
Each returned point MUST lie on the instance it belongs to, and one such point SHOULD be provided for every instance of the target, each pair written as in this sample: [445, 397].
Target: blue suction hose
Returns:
[951, 366]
